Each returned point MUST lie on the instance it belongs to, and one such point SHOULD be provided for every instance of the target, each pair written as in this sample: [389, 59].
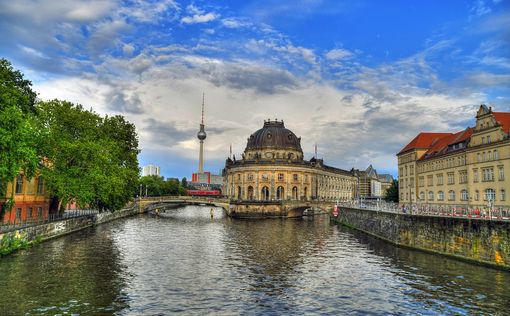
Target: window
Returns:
[451, 195]
[40, 185]
[478, 157]
[39, 212]
[439, 179]
[503, 195]
[477, 195]
[451, 178]
[462, 176]
[488, 174]
[464, 195]
[475, 175]
[239, 177]
[421, 181]
[422, 195]
[490, 195]
[489, 155]
[18, 213]
[488, 139]
[501, 173]
[19, 184]
[29, 212]
[483, 140]
[280, 177]
[295, 177]
[440, 196]
[496, 155]
[250, 177]
[431, 196]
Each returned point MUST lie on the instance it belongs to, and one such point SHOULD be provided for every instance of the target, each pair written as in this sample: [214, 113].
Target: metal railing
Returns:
[19, 223]
[493, 213]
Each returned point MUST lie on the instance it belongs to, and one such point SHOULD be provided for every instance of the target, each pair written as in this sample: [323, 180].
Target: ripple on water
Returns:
[192, 264]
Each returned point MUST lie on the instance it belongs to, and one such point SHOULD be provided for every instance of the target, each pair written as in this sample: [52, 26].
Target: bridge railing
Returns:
[490, 213]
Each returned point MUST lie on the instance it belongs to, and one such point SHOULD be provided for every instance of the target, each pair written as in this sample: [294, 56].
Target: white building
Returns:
[151, 170]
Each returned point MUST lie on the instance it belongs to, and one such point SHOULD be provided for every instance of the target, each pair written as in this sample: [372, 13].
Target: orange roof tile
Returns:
[423, 141]
[441, 145]
[504, 119]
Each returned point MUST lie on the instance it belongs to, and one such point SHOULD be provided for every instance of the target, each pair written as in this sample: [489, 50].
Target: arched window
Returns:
[239, 193]
[305, 193]
[280, 193]
[250, 192]
[451, 195]
[265, 193]
[431, 196]
[464, 196]
[294, 193]
[422, 195]
[490, 195]
[440, 196]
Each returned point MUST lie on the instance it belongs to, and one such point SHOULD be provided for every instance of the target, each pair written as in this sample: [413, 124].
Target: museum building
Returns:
[272, 167]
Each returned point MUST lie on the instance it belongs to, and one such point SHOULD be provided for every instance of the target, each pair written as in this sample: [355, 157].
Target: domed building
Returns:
[272, 167]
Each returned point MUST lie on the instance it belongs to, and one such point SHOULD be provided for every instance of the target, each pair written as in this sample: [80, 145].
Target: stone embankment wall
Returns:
[477, 240]
[28, 235]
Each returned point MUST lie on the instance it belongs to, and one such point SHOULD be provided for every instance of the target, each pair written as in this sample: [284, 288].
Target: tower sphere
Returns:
[201, 134]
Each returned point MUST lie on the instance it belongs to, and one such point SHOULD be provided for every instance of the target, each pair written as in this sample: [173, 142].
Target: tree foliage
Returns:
[91, 160]
[18, 137]
[157, 186]
[392, 192]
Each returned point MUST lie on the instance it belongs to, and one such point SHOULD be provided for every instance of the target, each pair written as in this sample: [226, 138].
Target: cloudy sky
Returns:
[359, 78]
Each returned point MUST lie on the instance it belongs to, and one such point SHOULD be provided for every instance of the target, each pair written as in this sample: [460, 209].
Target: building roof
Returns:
[385, 177]
[503, 118]
[423, 141]
[274, 135]
[443, 144]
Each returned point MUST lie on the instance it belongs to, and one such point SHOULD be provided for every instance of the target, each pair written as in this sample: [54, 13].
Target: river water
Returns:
[191, 263]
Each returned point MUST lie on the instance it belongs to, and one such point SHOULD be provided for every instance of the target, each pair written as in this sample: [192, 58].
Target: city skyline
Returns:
[360, 80]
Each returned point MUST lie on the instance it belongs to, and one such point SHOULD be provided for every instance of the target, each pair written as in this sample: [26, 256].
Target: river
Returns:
[191, 263]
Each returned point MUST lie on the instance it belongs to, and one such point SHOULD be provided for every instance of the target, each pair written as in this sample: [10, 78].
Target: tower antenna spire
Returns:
[203, 102]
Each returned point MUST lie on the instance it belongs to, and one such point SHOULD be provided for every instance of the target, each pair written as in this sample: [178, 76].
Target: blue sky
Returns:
[359, 78]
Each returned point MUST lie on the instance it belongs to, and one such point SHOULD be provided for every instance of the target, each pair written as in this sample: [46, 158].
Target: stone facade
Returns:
[272, 168]
[463, 169]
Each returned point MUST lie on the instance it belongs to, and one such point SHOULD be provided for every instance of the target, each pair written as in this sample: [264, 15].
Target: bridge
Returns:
[244, 208]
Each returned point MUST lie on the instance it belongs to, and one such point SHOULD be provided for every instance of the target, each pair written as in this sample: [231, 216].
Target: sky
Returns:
[358, 78]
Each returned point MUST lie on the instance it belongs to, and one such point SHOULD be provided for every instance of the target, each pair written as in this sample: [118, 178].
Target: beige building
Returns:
[272, 167]
[463, 169]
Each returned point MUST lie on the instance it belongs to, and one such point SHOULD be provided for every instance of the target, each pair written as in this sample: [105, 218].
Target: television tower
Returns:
[201, 136]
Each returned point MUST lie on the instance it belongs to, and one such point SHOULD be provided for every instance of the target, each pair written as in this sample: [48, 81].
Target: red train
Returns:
[211, 193]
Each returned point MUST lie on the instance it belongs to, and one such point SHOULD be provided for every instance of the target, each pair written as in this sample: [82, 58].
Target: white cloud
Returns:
[200, 18]
[339, 53]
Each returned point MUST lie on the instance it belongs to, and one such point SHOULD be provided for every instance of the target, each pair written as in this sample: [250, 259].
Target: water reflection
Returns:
[191, 263]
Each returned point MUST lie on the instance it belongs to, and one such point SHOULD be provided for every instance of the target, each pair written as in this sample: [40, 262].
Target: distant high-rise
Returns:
[151, 170]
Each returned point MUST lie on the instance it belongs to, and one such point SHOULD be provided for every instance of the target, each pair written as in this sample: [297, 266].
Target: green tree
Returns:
[91, 160]
[18, 137]
[392, 192]
[184, 183]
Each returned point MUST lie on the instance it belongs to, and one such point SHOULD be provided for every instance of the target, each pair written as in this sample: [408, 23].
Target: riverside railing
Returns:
[19, 223]
[489, 213]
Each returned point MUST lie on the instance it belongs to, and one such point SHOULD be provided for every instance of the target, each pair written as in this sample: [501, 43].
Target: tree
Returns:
[392, 192]
[184, 183]
[18, 137]
[91, 160]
